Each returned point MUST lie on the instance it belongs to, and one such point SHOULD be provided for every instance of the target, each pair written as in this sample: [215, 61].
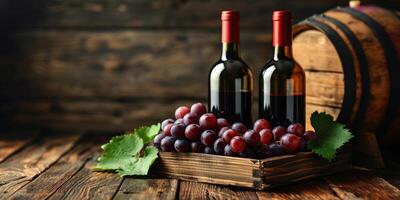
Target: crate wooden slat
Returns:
[244, 172]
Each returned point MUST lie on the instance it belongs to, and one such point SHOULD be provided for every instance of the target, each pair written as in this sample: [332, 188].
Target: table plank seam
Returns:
[49, 166]
[178, 189]
[30, 142]
[70, 177]
[118, 188]
[331, 187]
[81, 139]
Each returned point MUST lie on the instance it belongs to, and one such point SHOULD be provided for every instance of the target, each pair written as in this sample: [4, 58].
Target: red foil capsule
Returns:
[230, 26]
[282, 28]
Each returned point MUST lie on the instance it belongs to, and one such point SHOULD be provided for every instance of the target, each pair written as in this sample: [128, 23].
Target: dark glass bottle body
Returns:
[231, 86]
[282, 89]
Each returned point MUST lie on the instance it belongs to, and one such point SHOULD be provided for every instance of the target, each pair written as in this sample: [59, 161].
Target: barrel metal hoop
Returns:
[365, 79]
[391, 58]
[346, 60]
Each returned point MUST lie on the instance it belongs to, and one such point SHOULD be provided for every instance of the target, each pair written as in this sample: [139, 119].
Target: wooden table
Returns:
[51, 166]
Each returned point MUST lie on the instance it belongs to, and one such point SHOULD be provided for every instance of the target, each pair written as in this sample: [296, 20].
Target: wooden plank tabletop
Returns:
[40, 166]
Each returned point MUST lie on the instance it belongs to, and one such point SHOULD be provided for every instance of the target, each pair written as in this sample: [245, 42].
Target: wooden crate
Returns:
[251, 173]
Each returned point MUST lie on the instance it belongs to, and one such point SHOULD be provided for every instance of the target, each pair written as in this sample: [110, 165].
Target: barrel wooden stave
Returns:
[324, 75]
[379, 86]
[375, 98]
[391, 24]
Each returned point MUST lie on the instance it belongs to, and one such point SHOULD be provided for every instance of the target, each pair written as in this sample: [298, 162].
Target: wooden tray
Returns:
[244, 172]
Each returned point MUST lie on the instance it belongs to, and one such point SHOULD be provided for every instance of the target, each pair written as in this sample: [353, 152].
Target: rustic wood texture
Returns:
[375, 104]
[92, 115]
[61, 97]
[166, 13]
[133, 188]
[293, 168]
[87, 184]
[21, 168]
[208, 168]
[12, 142]
[251, 173]
[326, 62]
[193, 190]
[379, 88]
[391, 24]
[70, 177]
[120, 64]
[362, 185]
[61, 171]
[156, 13]
[312, 189]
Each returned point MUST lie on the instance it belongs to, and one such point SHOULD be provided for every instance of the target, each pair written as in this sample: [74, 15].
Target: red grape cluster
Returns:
[195, 130]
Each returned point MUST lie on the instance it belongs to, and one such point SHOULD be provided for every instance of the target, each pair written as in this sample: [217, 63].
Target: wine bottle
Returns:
[282, 80]
[230, 78]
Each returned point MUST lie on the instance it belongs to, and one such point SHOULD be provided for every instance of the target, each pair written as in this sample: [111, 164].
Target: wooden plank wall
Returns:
[108, 66]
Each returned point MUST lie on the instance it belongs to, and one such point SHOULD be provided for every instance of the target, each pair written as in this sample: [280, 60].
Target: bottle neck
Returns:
[230, 36]
[282, 37]
[230, 51]
[282, 52]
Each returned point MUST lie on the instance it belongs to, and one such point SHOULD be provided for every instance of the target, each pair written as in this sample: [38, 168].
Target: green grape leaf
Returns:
[129, 154]
[147, 133]
[331, 135]
[140, 165]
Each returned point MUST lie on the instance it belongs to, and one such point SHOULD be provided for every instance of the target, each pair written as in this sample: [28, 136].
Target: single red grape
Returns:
[167, 144]
[182, 145]
[190, 119]
[167, 129]
[278, 132]
[229, 134]
[165, 122]
[276, 149]
[197, 147]
[221, 131]
[296, 129]
[310, 136]
[228, 151]
[209, 150]
[266, 136]
[208, 137]
[239, 127]
[157, 140]
[252, 138]
[198, 109]
[238, 144]
[261, 124]
[193, 132]
[181, 112]
[222, 122]
[219, 146]
[179, 121]
[178, 131]
[290, 143]
[208, 121]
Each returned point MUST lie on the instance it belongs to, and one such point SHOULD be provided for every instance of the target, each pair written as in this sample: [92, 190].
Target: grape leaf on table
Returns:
[142, 164]
[128, 154]
[331, 135]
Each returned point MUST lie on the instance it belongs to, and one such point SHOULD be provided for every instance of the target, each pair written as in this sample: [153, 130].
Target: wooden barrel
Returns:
[351, 57]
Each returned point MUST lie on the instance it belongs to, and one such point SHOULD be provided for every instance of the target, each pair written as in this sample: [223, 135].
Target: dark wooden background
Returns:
[108, 66]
